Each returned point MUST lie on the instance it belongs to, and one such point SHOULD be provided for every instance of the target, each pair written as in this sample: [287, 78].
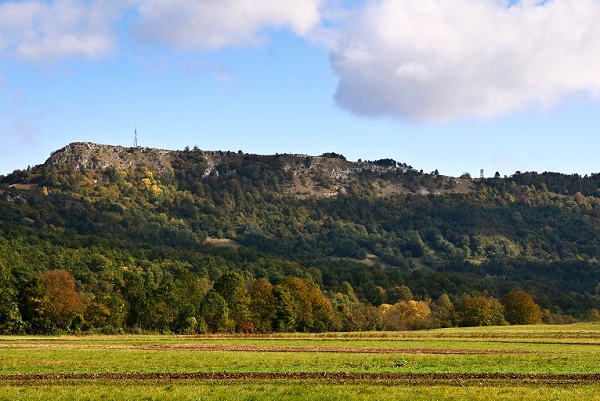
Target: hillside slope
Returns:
[375, 225]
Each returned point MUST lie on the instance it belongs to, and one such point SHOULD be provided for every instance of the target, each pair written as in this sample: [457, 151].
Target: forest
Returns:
[106, 239]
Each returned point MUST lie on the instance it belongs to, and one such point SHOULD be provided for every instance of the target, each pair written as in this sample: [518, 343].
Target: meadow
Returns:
[492, 363]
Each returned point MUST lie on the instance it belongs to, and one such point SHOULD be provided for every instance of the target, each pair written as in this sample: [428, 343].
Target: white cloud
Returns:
[438, 60]
[39, 30]
[419, 60]
[211, 24]
[52, 29]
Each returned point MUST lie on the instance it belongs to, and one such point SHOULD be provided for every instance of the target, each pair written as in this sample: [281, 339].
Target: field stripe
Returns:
[333, 378]
[292, 349]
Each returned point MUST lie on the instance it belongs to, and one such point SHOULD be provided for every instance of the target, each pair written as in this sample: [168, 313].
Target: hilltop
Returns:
[327, 175]
[93, 156]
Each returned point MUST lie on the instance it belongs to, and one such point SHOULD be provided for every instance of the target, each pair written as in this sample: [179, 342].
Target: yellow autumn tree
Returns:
[520, 308]
[406, 315]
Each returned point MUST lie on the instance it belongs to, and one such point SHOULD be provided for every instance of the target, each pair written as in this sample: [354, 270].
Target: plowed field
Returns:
[458, 379]
[254, 348]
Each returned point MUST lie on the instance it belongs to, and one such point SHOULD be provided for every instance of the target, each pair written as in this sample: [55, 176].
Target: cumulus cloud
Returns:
[40, 30]
[419, 60]
[438, 60]
[52, 29]
[210, 24]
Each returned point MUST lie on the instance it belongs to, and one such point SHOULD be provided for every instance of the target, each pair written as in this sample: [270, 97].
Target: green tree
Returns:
[520, 308]
[232, 288]
[286, 309]
[443, 310]
[214, 312]
[343, 304]
[160, 315]
[96, 315]
[400, 293]
[10, 316]
[183, 293]
[375, 294]
[134, 293]
[263, 308]
[314, 312]
[482, 311]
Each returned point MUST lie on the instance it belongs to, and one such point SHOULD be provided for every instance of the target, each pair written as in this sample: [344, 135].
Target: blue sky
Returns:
[456, 86]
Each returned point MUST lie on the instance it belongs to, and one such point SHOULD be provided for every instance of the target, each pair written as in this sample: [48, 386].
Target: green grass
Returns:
[269, 392]
[16, 361]
[572, 349]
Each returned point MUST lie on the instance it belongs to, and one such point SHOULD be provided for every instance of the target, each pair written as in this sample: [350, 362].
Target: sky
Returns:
[452, 85]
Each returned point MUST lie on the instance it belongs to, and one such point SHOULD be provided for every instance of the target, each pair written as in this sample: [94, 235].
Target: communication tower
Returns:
[135, 145]
[481, 174]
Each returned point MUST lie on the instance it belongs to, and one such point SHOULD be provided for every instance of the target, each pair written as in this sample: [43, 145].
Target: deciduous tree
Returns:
[263, 308]
[10, 316]
[313, 310]
[232, 288]
[406, 315]
[482, 311]
[61, 302]
[520, 308]
[214, 312]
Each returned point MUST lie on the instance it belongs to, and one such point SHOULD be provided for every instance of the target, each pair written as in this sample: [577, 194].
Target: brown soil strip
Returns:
[453, 379]
[249, 348]
[350, 350]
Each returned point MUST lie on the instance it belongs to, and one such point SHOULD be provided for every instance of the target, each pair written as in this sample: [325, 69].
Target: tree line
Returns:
[52, 302]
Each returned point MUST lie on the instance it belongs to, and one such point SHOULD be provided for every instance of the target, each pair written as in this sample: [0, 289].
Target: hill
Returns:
[112, 217]
[327, 175]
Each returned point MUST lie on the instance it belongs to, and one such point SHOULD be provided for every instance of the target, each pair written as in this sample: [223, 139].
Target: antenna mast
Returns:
[135, 145]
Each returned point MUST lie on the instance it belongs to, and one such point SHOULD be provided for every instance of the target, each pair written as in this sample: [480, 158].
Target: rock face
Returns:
[319, 176]
[92, 156]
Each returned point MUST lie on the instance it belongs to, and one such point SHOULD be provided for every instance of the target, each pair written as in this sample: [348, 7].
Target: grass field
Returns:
[498, 363]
